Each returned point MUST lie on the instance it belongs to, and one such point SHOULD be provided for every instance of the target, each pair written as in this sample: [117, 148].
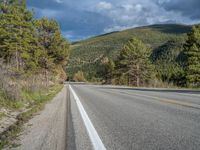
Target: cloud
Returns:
[117, 28]
[189, 8]
[79, 19]
[104, 5]
[127, 7]
[144, 12]
[59, 1]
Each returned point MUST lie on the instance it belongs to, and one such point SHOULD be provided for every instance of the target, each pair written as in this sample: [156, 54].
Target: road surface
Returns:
[136, 119]
[86, 117]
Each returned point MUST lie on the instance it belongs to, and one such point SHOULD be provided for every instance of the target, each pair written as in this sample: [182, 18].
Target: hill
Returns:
[87, 55]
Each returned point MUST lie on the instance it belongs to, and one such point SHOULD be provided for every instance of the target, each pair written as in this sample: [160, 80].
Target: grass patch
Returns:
[7, 103]
[37, 101]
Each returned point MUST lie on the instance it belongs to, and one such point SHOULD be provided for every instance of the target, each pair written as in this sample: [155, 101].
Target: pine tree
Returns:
[134, 63]
[54, 45]
[17, 35]
[31, 46]
[192, 52]
[59, 49]
[55, 49]
[108, 73]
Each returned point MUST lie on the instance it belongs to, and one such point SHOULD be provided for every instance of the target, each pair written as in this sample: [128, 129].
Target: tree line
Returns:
[30, 45]
[134, 66]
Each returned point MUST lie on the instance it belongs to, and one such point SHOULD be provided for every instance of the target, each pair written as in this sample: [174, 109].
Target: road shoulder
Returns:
[47, 130]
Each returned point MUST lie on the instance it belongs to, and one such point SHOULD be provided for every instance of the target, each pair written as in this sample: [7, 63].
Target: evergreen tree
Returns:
[31, 46]
[192, 52]
[109, 71]
[169, 62]
[55, 47]
[134, 63]
[17, 34]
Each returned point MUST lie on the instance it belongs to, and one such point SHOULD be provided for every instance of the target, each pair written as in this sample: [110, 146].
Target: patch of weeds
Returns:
[11, 104]
[18, 105]
[10, 134]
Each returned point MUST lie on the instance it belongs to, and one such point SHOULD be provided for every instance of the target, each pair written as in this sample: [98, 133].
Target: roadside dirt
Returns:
[47, 130]
[8, 119]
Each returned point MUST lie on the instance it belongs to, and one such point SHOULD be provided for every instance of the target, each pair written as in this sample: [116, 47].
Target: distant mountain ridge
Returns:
[109, 45]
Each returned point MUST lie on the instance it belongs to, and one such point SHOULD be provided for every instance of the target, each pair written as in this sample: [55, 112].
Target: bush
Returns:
[79, 77]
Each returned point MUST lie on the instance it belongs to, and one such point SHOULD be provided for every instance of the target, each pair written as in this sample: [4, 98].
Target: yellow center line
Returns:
[186, 104]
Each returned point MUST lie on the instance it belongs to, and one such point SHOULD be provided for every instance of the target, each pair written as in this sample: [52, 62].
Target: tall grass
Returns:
[19, 90]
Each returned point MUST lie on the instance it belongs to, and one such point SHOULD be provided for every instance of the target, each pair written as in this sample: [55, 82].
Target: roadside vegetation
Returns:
[38, 100]
[133, 66]
[33, 53]
[79, 77]
[88, 55]
[156, 56]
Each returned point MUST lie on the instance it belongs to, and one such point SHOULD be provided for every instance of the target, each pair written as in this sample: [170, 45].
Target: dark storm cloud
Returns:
[190, 8]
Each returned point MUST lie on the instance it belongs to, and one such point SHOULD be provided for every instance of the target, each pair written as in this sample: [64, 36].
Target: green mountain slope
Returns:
[87, 55]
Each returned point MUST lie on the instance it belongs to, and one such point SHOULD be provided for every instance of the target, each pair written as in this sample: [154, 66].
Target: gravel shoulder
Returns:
[47, 130]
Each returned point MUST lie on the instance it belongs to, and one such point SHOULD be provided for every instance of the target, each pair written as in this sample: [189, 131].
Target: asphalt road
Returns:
[136, 119]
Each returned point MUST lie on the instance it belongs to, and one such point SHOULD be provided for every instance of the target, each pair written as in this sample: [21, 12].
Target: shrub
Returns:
[79, 77]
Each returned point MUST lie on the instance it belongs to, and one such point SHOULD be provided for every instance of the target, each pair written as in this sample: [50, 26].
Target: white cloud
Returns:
[118, 28]
[59, 1]
[138, 7]
[163, 1]
[127, 7]
[104, 5]
[93, 17]
[137, 13]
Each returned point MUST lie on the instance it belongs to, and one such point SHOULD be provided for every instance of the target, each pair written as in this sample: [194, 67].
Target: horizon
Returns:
[81, 20]
[142, 26]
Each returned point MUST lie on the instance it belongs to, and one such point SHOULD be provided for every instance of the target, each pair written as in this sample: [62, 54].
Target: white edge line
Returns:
[94, 137]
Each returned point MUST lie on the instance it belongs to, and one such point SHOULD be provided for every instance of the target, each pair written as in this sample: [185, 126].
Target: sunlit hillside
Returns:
[87, 54]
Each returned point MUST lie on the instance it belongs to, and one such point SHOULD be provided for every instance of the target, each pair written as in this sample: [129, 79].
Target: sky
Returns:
[80, 19]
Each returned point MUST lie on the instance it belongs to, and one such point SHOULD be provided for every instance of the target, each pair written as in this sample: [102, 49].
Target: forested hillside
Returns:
[164, 41]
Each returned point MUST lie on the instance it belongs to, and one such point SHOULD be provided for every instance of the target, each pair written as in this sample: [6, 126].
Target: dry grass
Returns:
[15, 86]
[9, 85]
